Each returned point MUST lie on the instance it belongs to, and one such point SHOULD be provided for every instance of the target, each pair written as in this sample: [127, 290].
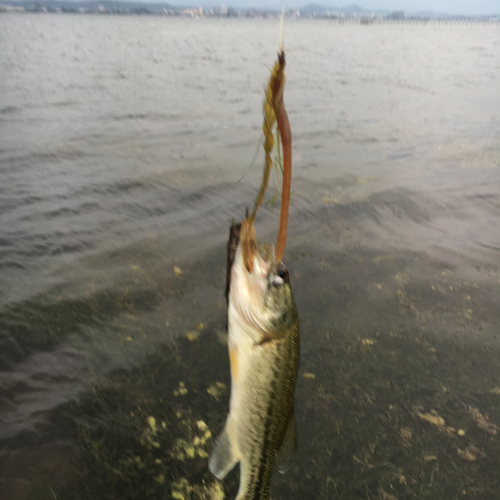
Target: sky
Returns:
[467, 7]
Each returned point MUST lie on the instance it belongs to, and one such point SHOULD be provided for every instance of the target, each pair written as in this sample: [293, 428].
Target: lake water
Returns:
[122, 144]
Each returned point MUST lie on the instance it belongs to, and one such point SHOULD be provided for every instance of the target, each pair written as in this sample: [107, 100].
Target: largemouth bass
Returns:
[263, 343]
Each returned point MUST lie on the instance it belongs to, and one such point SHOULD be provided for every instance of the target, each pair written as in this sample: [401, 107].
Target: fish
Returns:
[263, 343]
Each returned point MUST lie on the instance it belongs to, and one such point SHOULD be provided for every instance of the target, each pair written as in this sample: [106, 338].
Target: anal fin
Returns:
[222, 459]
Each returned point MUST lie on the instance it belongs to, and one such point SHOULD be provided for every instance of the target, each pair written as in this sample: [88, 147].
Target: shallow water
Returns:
[121, 144]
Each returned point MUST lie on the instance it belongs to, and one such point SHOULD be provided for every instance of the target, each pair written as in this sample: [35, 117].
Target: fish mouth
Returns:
[259, 260]
[254, 295]
[266, 272]
[252, 274]
[248, 290]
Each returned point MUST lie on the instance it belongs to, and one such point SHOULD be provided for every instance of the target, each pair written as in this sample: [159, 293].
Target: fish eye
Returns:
[282, 273]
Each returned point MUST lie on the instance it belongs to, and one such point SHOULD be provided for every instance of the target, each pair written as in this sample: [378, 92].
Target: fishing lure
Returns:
[274, 114]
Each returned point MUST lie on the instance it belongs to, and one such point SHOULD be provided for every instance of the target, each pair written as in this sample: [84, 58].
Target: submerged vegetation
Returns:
[147, 434]
[384, 409]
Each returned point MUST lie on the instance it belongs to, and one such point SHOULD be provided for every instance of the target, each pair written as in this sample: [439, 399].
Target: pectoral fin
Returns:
[288, 447]
[222, 459]
[277, 334]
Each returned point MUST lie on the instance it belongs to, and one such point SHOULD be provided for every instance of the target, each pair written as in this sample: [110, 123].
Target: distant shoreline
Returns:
[362, 20]
[352, 14]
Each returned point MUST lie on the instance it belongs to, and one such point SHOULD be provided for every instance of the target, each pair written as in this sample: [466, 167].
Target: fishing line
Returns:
[254, 159]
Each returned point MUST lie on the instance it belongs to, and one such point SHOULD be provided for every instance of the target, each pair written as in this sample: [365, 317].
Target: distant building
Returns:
[331, 15]
[196, 12]
[11, 8]
[396, 14]
[220, 11]
[254, 13]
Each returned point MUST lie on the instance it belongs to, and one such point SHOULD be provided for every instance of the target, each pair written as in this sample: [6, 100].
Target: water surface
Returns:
[122, 141]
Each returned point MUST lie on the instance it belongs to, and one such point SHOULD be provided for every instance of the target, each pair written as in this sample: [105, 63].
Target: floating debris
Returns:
[184, 450]
[482, 422]
[406, 433]
[192, 336]
[309, 375]
[152, 423]
[181, 391]
[201, 425]
[471, 453]
[330, 200]
[433, 419]
[216, 390]
[183, 490]
[177, 270]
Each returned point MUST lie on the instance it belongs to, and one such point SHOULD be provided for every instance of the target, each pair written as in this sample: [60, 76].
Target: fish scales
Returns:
[278, 412]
